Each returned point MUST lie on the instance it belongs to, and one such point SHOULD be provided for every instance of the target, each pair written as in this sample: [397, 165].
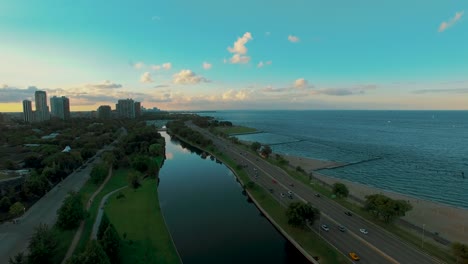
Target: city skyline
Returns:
[208, 56]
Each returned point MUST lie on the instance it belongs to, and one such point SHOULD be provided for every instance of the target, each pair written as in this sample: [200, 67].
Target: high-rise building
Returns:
[60, 107]
[42, 110]
[125, 108]
[104, 112]
[137, 106]
[28, 114]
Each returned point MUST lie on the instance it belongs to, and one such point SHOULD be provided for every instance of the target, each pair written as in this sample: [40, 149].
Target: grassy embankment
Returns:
[406, 235]
[139, 217]
[309, 240]
[236, 130]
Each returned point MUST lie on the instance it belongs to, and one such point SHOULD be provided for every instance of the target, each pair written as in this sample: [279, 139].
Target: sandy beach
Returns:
[450, 222]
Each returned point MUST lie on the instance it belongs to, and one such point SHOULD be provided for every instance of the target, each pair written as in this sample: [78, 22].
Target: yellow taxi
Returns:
[354, 256]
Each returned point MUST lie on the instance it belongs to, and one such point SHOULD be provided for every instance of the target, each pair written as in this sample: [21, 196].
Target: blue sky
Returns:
[236, 55]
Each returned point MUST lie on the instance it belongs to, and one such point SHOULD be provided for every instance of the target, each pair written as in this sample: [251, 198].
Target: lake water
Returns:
[210, 219]
[422, 153]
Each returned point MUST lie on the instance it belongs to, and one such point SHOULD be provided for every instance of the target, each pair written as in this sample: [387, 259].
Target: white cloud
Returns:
[139, 65]
[239, 59]
[146, 78]
[234, 95]
[446, 24]
[300, 83]
[261, 64]
[104, 85]
[188, 77]
[293, 38]
[167, 66]
[156, 67]
[360, 89]
[239, 49]
[207, 65]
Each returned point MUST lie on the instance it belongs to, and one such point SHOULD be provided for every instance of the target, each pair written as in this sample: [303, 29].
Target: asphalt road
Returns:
[378, 246]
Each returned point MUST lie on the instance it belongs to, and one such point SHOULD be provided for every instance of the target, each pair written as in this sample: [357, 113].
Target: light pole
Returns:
[422, 236]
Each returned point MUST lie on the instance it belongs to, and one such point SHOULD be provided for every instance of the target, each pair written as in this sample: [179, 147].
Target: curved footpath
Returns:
[100, 213]
[79, 232]
[378, 246]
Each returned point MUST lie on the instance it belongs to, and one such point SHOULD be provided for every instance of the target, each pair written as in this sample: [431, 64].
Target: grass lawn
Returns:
[236, 130]
[139, 216]
[64, 237]
[118, 179]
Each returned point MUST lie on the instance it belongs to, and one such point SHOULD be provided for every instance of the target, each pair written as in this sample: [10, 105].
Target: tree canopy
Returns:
[340, 189]
[386, 208]
[16, 209]
[299, 214]
[255, 146]
[42, 245]
[71, 212]
[460, 251]
[266, 150]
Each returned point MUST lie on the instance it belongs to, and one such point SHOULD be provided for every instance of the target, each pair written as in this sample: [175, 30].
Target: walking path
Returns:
[79, 232]
[97, 222]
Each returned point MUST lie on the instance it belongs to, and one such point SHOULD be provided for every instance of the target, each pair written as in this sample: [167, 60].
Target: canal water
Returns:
[209, 218]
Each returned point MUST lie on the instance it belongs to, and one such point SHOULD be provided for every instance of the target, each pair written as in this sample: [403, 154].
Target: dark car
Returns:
[317, 194]
[341, 228]
[348, 213]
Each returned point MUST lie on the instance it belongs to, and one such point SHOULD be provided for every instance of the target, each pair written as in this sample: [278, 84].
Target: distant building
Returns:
[42, 110]
[137, 106]
[60, 107]
[104, 112]
[28, 114]
[125, 108]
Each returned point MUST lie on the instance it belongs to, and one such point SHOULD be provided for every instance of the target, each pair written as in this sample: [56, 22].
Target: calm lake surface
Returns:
[210, 219]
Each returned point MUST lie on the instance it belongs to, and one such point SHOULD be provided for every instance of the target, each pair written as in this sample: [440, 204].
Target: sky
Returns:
[214, 55]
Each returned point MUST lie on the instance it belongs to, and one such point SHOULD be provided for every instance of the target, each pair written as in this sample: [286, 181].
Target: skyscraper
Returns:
[42, 110]
[28, 114]
[125, 108]
[60, 107]
[137, 109]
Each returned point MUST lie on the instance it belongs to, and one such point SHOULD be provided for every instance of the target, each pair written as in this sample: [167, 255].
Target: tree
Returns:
[36, 185]
[33, 161]
[340, 189]
[299, 214]
[134, 179]
[71, 212]
[16, 209]
[460, 251]
[386, 208]
[110, 243]
[9, 165]
[141, 163]
[266, 151]
[19, 258]
[42, 245]
[255, 146]
[5, 204]
[99, 173]
[94, 254]
[103, 226]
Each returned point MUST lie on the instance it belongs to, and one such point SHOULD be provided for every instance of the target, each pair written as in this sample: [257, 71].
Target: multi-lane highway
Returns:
[378, 246]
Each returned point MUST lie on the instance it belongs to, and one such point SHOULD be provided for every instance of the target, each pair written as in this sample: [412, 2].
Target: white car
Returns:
[282, 195]
[289, 192]
[364, 231]
[325, 228]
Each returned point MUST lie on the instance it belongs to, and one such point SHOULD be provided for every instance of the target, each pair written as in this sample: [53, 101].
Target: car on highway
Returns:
[364, 231]
[354, 256]
[348, 213]
[291, 184]
[325, 227]
[289, 192]
[317, 194]
[341, 228]
[282, 195]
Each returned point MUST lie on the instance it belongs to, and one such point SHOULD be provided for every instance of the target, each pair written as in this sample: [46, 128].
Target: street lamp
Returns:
[422, 236]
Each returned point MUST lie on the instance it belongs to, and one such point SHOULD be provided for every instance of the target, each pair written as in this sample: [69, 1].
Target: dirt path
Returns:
[79, 232]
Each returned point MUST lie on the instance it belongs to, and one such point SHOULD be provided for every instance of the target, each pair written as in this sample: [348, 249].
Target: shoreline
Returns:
[450, 222]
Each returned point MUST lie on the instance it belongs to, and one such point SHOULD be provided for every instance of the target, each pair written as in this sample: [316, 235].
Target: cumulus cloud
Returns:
[452, 21]
[188, 77]
[146, 78]
[452, 90]
[270, 89]
[139, 65]
[361, 89]
[104, 85]
[236, 95]
[293, 39]
[261, 64]
[165, 66]
[300, 83]
[161, 86]
[239, 49]
[207, 65]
